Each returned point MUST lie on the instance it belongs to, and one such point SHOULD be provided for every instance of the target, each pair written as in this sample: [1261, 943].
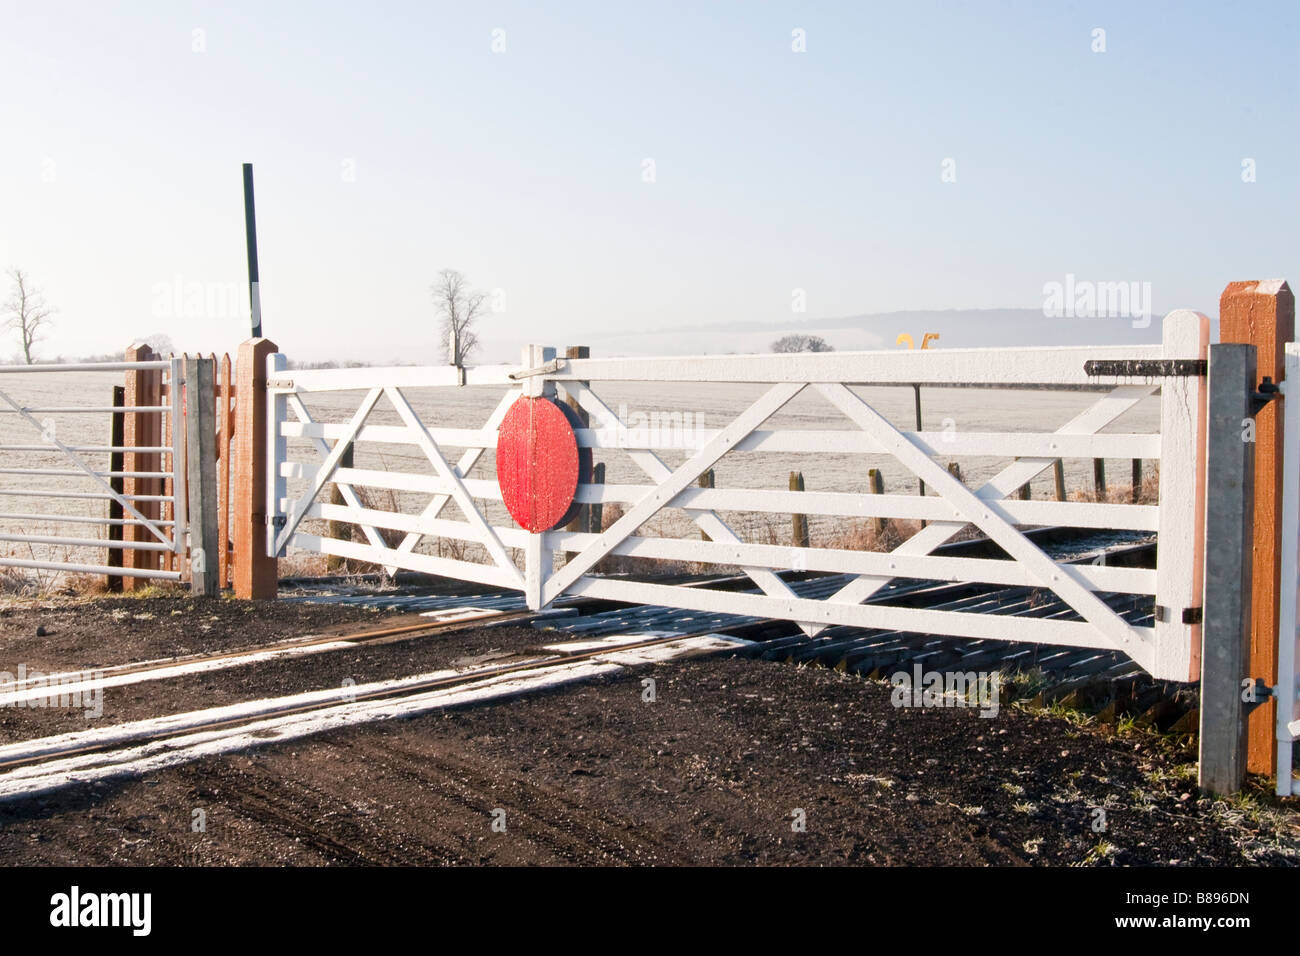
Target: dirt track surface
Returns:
[108, 631]
[712, 772]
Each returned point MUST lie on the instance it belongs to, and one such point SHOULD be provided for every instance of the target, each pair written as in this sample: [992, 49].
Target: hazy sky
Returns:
[391, 140]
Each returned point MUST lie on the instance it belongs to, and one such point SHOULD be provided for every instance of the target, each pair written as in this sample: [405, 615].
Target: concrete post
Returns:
[1229, 521]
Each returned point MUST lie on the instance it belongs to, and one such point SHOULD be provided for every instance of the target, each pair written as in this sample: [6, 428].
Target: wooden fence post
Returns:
[1058, 473]
[1263, 314]
[1099, 478]
[876, 485]
[140, 430]
[256, 575]
[1137, 481]
[598, 508]
[798, 522]
[201, 477]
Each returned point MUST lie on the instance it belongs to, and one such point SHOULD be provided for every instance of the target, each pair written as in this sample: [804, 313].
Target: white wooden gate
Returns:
[516, 559]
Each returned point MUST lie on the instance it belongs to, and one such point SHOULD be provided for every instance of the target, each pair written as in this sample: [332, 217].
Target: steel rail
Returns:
[408, 690]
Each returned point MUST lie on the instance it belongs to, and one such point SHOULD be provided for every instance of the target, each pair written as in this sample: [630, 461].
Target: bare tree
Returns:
[802, 343]
[26, 311]
[161, 344]
[459, 307]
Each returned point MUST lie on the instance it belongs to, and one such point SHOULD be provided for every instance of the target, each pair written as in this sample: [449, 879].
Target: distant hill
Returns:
[957, 328]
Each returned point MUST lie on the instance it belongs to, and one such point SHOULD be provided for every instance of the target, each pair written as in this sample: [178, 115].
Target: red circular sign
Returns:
[537, 463]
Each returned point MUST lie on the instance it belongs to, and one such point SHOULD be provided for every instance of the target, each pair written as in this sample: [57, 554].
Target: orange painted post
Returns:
[256, 575]
[141, 430]
[1263, 314]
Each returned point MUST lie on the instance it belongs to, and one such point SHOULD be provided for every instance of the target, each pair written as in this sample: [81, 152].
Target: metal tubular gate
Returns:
[1288, 679]
[87, 481]
[1167, 646]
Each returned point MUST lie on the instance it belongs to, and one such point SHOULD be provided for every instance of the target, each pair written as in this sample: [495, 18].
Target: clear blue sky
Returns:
[774, 170]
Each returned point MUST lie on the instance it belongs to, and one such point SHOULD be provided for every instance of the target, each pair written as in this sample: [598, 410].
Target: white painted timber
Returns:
[1288, 679]
[1100, 414]
[951, 623]
[799, 441]
[772, 401]
[1180, 560]
[404, 376]
[658, 471]
[996, 524]
[322, 474]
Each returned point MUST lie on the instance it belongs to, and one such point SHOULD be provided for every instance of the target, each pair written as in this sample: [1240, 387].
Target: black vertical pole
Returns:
[116, 460]
[250, 232]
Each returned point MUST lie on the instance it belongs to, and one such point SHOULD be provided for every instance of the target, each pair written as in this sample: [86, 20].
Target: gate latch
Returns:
[276, 521]
[547, 368]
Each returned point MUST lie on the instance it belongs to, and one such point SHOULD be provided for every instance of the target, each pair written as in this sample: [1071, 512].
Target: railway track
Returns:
[602, 637]
[35, 766]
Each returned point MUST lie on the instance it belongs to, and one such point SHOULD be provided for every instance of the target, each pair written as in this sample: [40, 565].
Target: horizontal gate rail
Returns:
[161, 365]
[844, 441]
[1036, 367]
[80, 519]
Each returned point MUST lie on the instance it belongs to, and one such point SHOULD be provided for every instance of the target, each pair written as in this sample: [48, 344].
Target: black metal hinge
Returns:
[1255, 693]
[1146, 368]
[1268, 391]
[1191, 615]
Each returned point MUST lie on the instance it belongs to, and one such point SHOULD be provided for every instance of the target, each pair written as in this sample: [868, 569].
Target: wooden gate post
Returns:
[1262, 313]
[539, 558]
[141, 430]
[582, 520]
[201, 477]
[256, 574]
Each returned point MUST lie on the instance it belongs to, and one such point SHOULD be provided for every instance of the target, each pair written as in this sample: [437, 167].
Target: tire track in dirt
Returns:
[543, 816]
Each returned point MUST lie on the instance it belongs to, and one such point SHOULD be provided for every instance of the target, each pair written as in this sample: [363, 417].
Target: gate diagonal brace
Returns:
[468, 460]
[926, 541]
[94, 476]
[990, 518]
[487, 536]
[347, 492]
[671, 483]
[708, 521]
[327, 469]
